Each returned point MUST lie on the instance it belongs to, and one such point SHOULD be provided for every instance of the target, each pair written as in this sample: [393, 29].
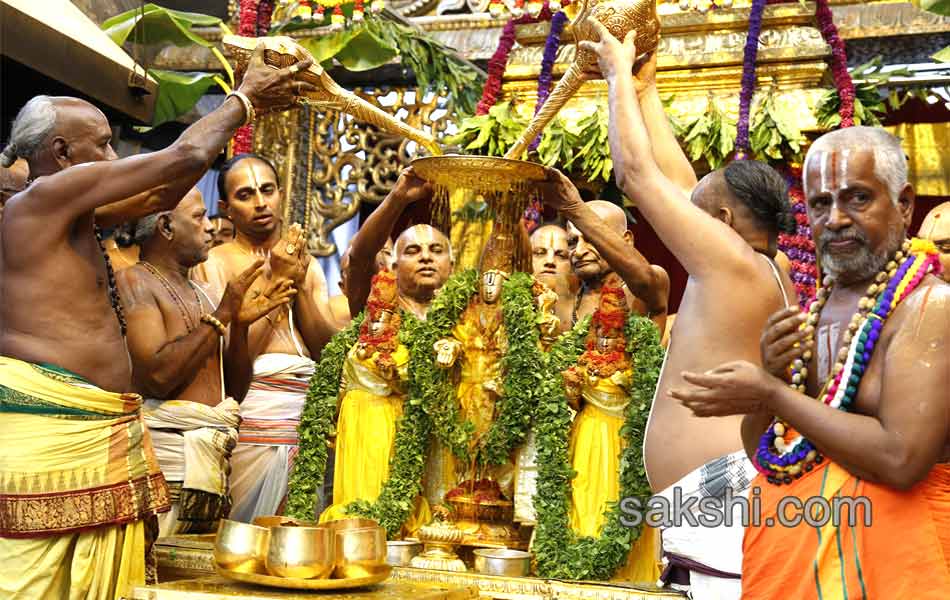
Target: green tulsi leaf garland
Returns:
[316, 424]
[398, 494]
[521, 366]
[559, 552]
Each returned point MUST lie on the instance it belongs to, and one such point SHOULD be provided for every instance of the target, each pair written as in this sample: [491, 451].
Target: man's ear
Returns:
[628, 237]
[905, 204]
[165, 227]
[60, 151]
[726, 215]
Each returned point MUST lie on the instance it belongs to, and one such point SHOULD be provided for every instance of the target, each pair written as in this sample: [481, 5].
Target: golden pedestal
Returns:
[188, 558]
[219, 588]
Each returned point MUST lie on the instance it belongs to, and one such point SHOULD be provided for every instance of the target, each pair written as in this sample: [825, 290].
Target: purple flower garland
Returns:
[547, 65]
[748, 78]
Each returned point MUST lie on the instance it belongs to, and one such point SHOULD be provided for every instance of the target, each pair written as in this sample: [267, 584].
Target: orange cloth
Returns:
[904, 553]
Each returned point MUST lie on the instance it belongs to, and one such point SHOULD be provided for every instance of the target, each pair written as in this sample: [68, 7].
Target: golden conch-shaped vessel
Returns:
[620, 17]
[282, 51]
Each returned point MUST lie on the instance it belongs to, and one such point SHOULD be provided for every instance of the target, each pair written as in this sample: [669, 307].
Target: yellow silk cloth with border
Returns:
[594, 450]
[77, 477]
[366, 433]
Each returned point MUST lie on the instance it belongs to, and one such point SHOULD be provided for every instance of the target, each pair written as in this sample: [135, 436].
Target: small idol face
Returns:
[856, 223]
[381, 322]
[491, 286]
[609, 344]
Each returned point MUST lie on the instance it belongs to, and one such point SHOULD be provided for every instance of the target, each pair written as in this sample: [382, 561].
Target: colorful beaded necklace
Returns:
[783, 454]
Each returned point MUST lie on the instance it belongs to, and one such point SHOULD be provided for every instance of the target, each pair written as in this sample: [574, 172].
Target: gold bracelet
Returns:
[249, 114]
[214, 322]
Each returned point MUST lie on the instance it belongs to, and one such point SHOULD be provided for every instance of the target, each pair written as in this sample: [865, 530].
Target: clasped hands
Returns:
[741, 387]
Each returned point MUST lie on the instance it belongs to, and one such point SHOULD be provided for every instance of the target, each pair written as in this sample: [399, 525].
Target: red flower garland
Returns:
[247, 26]
[799, 247]
[839, 62]
[498, 63]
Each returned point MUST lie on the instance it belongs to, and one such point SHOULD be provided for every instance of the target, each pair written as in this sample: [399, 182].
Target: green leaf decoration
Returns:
[325, 47]
[178, 92]
[154, 24]
[316, 424]
[940, 7]
[489, 135]
[773, 135]
[943, 55]
[559, 552]
[366, 51]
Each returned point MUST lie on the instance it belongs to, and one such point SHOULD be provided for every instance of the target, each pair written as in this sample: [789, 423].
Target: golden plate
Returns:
[481, 173]
[307, 584]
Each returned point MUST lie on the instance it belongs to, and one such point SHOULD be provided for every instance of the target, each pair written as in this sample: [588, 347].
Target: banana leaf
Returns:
[178, 92]
[154, 24]
[943, 55]
[325, 47]
[366, 51]
[940, 7]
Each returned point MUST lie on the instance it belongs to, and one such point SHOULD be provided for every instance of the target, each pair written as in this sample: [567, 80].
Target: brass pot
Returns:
[501, 561]
[300, 552]
[269, 521]
[351, 523]
[399, 553]
[359, 552]
[241, 547]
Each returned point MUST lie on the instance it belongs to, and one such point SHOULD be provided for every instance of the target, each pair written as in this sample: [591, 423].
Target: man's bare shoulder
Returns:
[924, 316]
[136, 286]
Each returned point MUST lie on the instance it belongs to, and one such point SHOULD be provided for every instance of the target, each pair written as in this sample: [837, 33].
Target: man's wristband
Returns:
[214, 322]
[249, 114]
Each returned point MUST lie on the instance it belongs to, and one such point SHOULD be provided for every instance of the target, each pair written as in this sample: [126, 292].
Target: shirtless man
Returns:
[363, 254]
[176, 341]
[282, 345]
[888, 442]
[936, 228]
[551, 262]
[726, 240]
[60, 310]
[601, 244]
[422, 260]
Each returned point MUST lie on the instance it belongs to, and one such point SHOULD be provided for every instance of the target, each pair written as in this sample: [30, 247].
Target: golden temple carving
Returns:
[329, 163]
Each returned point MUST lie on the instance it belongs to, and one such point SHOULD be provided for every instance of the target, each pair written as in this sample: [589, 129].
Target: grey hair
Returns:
[890, 162]
[145, 228]
[31, 127]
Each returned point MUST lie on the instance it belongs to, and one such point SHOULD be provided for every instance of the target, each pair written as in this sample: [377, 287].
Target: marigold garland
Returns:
[559, 552]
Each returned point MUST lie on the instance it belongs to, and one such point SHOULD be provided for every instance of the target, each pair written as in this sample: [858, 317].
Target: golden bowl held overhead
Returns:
[241, 547]
[359, 552]
[300, 552]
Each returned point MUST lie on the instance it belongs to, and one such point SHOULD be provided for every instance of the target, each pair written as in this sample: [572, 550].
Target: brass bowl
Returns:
[359, 552]
[241, 547]
[351, 523]
[269, 521]
[399, 553]
[502, 561]
[487, 511]
[300, 552]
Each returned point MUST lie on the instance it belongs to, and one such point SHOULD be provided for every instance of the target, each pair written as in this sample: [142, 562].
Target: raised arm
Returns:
[372, 236]
[82, 188]
[667, 153]
[647, 282]
[662, 202]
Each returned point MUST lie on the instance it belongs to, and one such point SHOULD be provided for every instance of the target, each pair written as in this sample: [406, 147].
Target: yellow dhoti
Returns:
[366, 433]
[77, 478]
[594, 450]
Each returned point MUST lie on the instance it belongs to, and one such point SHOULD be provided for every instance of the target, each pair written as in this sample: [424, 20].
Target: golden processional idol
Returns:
[459, 390]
